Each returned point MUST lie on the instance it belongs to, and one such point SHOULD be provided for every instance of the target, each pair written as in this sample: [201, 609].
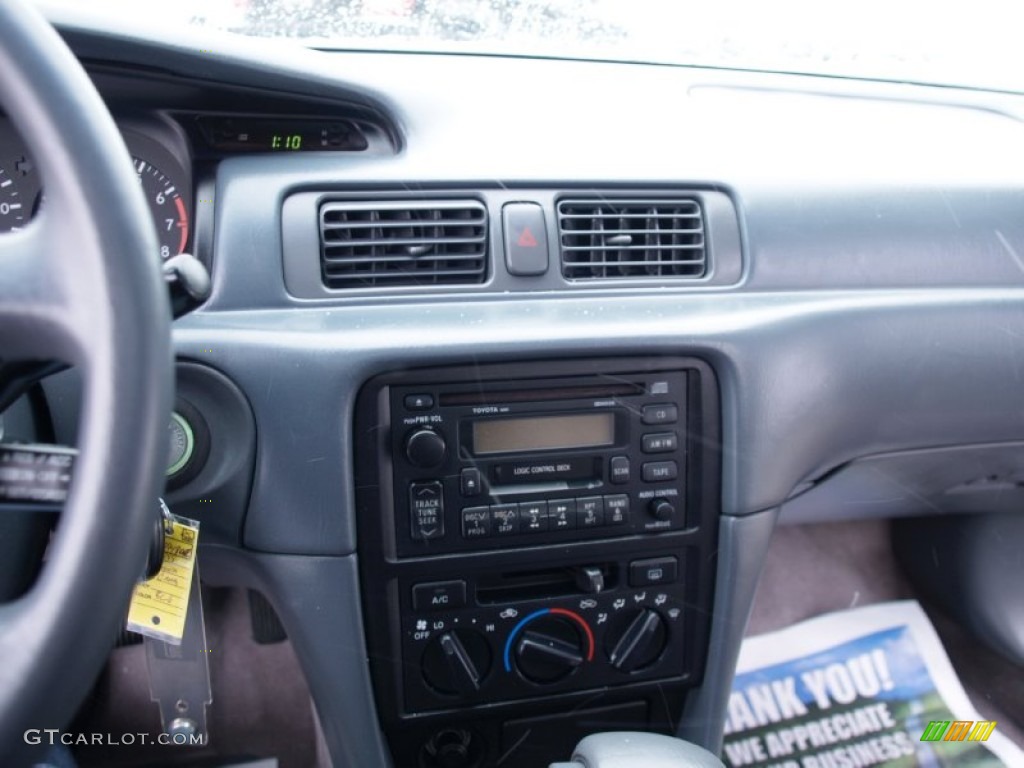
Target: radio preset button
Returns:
[660, 471]
[590, 512]
[469, 481]
[476, 522]
[533, 516]
[616, 509]
[419, 402]
[426, 508]
[505, 519]
[562, 514]
[665, 413]
[661, 442]
[618, 470]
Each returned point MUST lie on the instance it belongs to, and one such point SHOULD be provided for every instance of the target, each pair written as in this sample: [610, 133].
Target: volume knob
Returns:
[425, 448]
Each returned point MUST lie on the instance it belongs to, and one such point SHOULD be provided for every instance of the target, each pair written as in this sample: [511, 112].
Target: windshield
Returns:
[905, 40]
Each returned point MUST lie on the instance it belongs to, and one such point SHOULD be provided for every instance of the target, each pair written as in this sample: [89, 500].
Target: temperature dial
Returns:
[548, 645]
[549, 649]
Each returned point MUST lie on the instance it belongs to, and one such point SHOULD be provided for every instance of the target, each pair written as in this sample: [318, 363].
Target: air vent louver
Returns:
[608, 238]
[396, 243]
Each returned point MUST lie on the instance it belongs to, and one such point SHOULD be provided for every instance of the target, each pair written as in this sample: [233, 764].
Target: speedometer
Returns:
[12, 207]
[167, 207]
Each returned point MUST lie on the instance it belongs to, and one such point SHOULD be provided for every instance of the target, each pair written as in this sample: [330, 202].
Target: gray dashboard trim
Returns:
[317, 600]
[742, 547]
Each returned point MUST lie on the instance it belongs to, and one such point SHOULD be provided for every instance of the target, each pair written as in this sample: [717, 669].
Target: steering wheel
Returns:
[80, 284]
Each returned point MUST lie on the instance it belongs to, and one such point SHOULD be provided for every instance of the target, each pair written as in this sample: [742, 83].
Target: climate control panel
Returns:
[464, 642]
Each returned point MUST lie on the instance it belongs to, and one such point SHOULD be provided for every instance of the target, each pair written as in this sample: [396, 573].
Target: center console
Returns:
[537, 546]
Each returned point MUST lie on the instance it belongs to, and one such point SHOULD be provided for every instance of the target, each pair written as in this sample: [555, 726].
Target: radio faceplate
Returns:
[479, 466]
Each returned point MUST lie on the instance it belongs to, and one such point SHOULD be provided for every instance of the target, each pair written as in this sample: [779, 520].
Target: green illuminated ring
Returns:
[190, 444]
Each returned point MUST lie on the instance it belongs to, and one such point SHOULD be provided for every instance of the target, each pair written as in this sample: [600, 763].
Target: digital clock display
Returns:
[263, 134]
[282, 141]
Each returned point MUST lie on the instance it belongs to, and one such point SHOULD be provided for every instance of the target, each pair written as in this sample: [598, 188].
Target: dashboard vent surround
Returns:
[632, 238]
[402, 243]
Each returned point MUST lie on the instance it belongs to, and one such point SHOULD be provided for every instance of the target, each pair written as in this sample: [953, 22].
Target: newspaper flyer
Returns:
[870, 686]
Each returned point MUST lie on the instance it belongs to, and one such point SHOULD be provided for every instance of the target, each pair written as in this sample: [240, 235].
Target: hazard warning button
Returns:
[526, 239]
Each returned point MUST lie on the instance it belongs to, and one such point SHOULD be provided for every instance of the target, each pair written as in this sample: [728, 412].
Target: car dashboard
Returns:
[511, 366]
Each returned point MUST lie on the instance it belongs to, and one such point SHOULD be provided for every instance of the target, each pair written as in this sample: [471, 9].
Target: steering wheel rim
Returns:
[81, 283]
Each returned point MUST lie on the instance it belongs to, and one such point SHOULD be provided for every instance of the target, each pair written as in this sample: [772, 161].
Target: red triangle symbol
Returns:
[526, 239]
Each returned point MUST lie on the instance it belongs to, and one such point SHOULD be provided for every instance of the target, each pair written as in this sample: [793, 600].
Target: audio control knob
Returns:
[549, 649]
[637, 642]
[425, 448]
[662, 509]
[457, 661]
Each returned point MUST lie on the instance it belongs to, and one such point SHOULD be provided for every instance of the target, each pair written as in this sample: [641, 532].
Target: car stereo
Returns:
[486, 465]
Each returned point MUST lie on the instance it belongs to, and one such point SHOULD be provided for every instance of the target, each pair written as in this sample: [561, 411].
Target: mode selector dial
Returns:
[457, 662]
[637, 642]
[425, 448]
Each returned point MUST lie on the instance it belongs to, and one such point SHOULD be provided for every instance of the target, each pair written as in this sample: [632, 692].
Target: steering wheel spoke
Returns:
[36, 298]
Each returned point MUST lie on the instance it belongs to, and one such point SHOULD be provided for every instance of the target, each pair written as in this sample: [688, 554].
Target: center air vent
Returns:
[609, 238]
[396, 243]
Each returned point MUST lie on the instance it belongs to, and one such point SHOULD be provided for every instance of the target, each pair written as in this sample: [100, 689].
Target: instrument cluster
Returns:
[160, 155]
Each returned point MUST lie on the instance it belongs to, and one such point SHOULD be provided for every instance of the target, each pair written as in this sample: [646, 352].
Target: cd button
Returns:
[476, 522]
[619, 470]
[590, 512]
[505, 519]
[533, 516]
[562, 514]
[665, 413]
[616, 509]
[659, 471]
[661, 442]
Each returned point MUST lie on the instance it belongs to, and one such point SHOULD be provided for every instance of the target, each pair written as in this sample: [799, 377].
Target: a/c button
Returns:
[438, 595]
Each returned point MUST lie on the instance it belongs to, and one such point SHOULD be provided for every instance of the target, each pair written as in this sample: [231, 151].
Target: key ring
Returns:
[165, 513]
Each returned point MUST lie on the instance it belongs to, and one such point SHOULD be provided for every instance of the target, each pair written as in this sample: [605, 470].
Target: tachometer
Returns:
[167, 207]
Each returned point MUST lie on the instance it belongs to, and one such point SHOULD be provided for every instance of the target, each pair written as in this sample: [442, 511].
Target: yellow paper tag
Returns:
[159, 605]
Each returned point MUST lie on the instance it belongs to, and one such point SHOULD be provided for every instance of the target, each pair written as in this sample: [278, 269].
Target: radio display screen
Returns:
[543, 433]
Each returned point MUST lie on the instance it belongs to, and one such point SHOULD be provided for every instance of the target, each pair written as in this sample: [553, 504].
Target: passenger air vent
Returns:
[604, 239]
[396, 243]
